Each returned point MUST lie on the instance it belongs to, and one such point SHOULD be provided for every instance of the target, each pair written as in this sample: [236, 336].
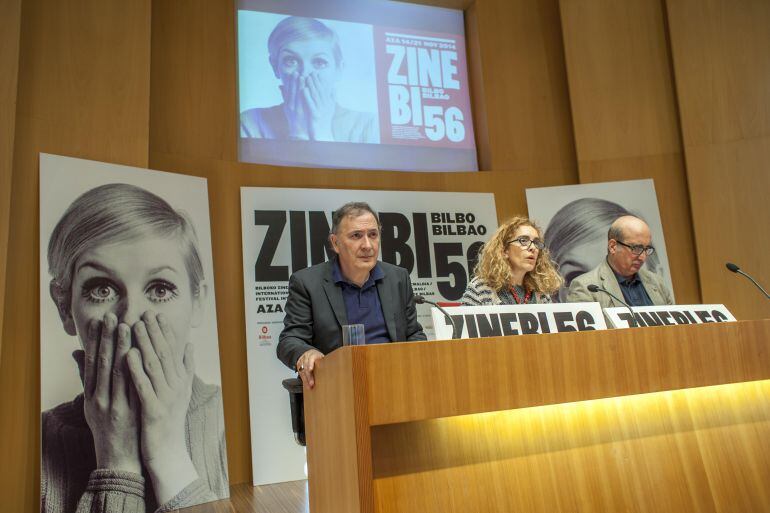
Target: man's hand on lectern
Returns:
[306, 364]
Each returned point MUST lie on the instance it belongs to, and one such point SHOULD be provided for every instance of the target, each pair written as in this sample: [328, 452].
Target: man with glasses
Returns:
[622, 273]
[352, 288]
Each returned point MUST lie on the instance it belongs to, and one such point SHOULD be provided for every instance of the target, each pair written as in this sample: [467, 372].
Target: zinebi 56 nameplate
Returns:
[504, 320]
[667, 315]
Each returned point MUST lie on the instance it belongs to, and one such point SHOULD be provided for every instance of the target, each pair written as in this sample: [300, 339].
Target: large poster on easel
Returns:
[130, 383]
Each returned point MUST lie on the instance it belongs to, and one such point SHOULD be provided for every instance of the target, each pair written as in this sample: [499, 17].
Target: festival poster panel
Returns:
[434, 235]
[422, 82]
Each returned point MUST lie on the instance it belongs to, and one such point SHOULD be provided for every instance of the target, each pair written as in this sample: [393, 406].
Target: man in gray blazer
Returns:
[622, 273]
[352, 288]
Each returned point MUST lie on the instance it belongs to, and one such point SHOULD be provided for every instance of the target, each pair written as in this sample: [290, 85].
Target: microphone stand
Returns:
[734, 268]
[597, 288]
[421, 300]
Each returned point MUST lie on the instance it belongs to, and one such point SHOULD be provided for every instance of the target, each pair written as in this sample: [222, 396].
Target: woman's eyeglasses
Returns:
[637, 249]
[526, 243]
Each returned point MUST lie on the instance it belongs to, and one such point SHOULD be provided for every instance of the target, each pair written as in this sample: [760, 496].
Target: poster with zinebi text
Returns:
[426, 89]
[362, 84]
[434, 235]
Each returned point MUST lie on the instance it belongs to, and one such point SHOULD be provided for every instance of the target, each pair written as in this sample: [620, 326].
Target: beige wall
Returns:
[579, 92]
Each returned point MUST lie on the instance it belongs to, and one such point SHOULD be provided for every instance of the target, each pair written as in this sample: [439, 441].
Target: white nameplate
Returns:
[504, 320]
[668, 315]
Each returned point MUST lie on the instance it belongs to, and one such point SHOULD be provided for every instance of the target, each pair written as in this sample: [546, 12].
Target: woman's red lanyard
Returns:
[517, 299]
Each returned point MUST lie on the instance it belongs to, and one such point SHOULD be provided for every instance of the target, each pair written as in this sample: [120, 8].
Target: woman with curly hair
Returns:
[513, 268]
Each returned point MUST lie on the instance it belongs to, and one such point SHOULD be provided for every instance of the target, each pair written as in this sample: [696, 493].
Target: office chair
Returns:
[296, 401]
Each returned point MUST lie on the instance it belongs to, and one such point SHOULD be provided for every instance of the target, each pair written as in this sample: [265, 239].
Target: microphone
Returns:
[734, 268]
[597, 288]
[421, 299]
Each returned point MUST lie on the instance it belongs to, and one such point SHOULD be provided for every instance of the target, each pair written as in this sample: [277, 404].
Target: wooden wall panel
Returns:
[450, 4]
[83, 91]
[10, 23]
[619, 77]
[720, 54]
[625, 113]
[472, 40]
[193, 90]
[522, 60]
[518, 75]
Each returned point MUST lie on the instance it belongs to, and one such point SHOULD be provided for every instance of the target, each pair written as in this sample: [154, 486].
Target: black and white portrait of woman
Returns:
[129, 282]
[577, 218]
[305, 84]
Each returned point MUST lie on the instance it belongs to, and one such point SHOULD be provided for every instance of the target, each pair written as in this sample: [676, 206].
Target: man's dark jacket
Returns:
[315, 311]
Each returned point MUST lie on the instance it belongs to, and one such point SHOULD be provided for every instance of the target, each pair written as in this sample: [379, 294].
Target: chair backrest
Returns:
[297, 404]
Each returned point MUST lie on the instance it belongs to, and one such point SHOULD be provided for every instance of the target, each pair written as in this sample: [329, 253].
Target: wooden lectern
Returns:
[668, 419]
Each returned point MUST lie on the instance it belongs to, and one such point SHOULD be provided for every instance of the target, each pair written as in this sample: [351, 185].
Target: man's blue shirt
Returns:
[362, 304]
[633, 290]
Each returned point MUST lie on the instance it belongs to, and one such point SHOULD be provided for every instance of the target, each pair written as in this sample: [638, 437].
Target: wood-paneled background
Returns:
[564, 92]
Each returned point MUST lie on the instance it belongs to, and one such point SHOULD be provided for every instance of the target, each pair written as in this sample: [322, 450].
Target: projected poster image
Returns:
[131, 403]
[576, 219]
[303, 87]
[348, 85]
